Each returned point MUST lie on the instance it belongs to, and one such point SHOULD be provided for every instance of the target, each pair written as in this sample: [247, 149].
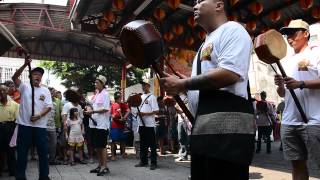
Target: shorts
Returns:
[75, 144]
[100, 138]
[117, 135]
[89, 132]
[301, 141]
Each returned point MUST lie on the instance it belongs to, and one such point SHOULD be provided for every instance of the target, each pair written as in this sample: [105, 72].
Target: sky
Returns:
[55, 2]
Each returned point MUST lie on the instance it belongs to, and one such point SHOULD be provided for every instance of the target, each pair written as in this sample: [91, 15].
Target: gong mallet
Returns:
[14, 42]
[270, 47]
[143, 47]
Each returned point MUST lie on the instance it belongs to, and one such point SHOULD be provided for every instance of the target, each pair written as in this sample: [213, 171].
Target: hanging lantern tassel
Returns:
[177, 29]
[275, 16]
[108, 16]
[189, 41]
[251, 25]
[174, 4]
[159, 14]
[256, 8]
[118, 4]
[306, 4]
[168, 36]
[316, 12]
[192, 23]
[202, 35]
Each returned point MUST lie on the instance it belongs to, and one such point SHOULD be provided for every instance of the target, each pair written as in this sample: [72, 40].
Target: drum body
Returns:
[141, 43]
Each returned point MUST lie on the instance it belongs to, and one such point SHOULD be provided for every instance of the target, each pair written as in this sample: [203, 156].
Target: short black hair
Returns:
[72, 96]
[71, 112]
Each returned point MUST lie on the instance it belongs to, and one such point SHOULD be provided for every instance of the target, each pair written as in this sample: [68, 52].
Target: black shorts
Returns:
[100, 138]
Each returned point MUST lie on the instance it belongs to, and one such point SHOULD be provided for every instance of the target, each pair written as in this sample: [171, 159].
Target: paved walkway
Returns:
[265, 167]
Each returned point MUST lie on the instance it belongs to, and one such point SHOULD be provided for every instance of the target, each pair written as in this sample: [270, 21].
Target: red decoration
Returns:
[118, 4]
[174, 4]
[191, 21]
[202, 35]
[168, 36]
[189, 41]
[275, 16]
[316, 12]
[256, 8]
[233, 2]
[177, 29]
[159, 14]
[306, 4]
[108, 16]
[251, 25]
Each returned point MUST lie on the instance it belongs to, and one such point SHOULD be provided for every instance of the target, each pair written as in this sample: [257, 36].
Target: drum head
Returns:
[270, 46]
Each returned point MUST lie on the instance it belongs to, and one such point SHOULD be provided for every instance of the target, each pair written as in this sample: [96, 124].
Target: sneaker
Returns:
[96, 170]
[103, 172]
[72, 163]
[153, 166]
[140, 164]
[181, 159]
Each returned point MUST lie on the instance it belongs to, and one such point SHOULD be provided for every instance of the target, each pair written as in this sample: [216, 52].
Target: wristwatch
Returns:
[302, 85]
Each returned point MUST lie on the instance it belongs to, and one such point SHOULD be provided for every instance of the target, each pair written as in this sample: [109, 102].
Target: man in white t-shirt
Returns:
[32, 128]
[222, 140]
[303, 70]
[101, 115]
[148, 109]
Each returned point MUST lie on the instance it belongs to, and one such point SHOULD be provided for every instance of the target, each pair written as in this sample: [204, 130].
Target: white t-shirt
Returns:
[101, 101]
[42, 99]
[147, 106]
[228, 47]
[66, 110]
[308, 98]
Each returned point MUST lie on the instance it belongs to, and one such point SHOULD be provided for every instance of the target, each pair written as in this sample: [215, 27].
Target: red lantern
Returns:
[191, 21]
[233, 18]
[202, 35]
[177, 29]
[233, 2]
[251, 25]
[108, 16]
[256, 8]
[103, 25]
[168, 36]
[275, 16]
[118, 4]
[174, 4]
[189, 41]
[159, 14]
[306, 4]
[316, 12]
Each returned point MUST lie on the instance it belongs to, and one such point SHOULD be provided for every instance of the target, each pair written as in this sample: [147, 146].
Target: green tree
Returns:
[83, 76]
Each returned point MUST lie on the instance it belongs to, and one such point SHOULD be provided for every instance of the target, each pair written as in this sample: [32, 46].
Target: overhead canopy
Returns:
[45, 31]
[174, 18]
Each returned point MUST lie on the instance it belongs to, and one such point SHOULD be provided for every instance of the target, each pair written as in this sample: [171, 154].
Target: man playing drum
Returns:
[222, 141]
[303, 69]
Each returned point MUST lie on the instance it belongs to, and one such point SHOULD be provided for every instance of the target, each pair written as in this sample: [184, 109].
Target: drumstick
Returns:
[20, 49]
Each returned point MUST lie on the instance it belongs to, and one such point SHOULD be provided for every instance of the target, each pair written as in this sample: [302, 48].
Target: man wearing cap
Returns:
[148, 109]
[300, 139]
[32, 129]
[101, 115]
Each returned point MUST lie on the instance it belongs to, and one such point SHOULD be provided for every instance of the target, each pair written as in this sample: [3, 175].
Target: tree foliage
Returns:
[83, 76]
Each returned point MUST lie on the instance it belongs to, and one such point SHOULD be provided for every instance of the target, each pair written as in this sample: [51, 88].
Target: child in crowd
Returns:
[74, 135]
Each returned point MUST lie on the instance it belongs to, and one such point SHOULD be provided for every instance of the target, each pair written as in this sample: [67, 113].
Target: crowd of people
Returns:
[222, 142]
[75, 129]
